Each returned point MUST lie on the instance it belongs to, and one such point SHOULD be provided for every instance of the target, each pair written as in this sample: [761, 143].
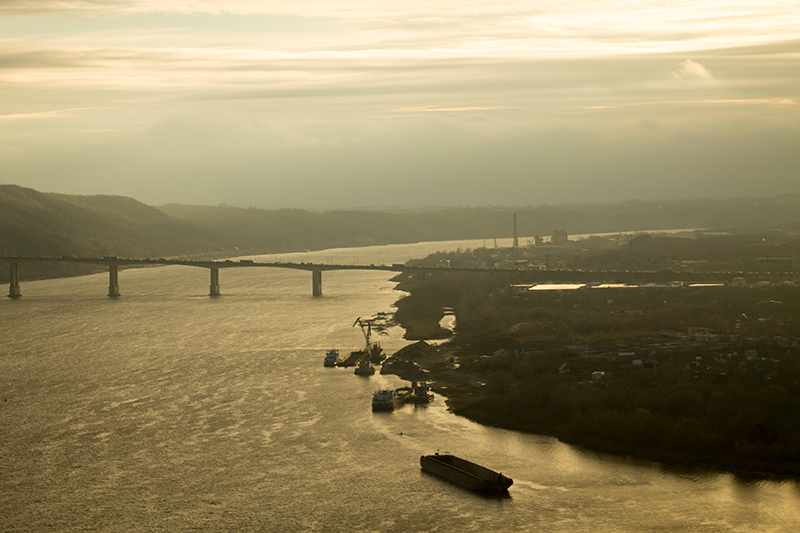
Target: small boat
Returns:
[332, 357]
[465, 473]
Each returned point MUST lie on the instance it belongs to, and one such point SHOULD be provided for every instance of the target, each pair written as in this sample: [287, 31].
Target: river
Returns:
[168, 410]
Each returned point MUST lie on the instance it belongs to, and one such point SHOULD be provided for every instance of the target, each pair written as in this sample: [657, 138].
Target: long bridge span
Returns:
[316, 269]
[114, 263]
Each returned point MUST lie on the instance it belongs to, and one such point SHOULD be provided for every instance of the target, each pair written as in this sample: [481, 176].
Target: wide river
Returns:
[168, 410]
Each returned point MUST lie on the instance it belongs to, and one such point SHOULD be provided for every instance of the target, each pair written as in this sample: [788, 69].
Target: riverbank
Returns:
[467, 395]
[563, 366]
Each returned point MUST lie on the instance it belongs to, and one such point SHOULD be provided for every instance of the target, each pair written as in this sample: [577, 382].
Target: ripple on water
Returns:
[172, 412]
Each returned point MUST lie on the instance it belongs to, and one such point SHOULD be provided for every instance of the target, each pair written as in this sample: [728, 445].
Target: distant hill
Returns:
[118, 206]
[287, 227]
[36, 223]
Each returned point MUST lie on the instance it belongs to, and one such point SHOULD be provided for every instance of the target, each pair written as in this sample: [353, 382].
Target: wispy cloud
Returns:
[755, 102]
[313, 83]
[689, 70]
[427, 110]
[39, 115]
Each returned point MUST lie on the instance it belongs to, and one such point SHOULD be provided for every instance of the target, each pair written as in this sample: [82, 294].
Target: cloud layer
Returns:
[367, 103]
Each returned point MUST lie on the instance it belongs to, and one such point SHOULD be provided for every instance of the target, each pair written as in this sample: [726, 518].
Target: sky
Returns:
[356, 103]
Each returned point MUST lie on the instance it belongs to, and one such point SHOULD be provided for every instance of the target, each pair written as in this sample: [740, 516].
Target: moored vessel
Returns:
[465, 473]
[364, 368]
[332, 357]
[376, 355]
[420, 393]
[390, 399]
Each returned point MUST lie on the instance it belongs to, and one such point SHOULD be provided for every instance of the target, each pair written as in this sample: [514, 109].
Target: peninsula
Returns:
[700, 375]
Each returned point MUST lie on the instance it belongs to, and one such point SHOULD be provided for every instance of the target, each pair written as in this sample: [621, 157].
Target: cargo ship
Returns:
[465, 473]
[390, 399]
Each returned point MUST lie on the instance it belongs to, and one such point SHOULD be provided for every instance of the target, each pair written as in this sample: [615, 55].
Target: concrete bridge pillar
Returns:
[113, 281]
[316, 282]
[214, 290]
[13, 288]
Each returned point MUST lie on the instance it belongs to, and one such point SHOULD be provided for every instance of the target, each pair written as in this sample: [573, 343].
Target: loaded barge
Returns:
[465, 473]
[390, 399]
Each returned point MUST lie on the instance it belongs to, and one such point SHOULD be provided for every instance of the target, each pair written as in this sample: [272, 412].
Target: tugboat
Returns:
[420, 393]
[332, 357]
[364, 368]
[376, 355]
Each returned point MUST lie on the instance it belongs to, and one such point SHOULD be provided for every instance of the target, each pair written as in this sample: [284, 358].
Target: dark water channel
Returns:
[167, 410]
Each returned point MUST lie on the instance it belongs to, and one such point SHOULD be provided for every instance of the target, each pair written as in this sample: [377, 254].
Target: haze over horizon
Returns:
[351, 103]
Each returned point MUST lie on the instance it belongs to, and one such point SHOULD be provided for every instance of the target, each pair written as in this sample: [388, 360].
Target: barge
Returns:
[465, 473]
[390, 399]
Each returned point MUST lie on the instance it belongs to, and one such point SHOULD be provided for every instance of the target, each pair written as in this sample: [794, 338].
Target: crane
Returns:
[371, 350]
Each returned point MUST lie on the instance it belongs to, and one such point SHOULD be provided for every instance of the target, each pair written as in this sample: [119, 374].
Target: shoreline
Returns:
[465, 392]
[469, 406]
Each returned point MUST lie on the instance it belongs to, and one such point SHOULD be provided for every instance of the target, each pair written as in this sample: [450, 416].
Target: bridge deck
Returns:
[534, 276]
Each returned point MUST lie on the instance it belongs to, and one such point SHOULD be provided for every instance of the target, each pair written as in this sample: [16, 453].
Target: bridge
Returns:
[316, 269]
[114, 263]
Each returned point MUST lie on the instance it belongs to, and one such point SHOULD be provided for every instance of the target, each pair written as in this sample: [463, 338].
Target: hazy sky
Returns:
[342, 103]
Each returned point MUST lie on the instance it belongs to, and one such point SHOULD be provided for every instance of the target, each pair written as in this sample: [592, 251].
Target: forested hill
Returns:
[37, 223]
[297, 228]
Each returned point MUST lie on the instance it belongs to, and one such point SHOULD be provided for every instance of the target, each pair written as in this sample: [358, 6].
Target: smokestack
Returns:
[516, 240]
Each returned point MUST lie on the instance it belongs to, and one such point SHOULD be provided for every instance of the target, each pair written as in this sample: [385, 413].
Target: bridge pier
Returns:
[13, 286]
[316, 282]
[113, 281]
[214, 290]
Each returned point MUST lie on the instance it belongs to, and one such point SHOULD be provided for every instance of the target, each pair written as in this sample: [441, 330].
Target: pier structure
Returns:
[13, 288]
[113, 281]
[316, 282]
[214, 289]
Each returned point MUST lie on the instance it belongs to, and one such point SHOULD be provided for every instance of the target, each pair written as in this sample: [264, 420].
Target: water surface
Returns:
[167, 410]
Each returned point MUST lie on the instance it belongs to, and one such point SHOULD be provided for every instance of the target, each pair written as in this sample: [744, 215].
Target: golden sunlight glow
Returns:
[278, 72]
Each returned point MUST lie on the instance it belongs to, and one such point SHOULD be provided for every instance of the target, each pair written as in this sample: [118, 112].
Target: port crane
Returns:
[364, 366]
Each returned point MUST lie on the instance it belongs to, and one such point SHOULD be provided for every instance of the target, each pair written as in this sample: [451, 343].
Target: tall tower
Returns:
[516, 240]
